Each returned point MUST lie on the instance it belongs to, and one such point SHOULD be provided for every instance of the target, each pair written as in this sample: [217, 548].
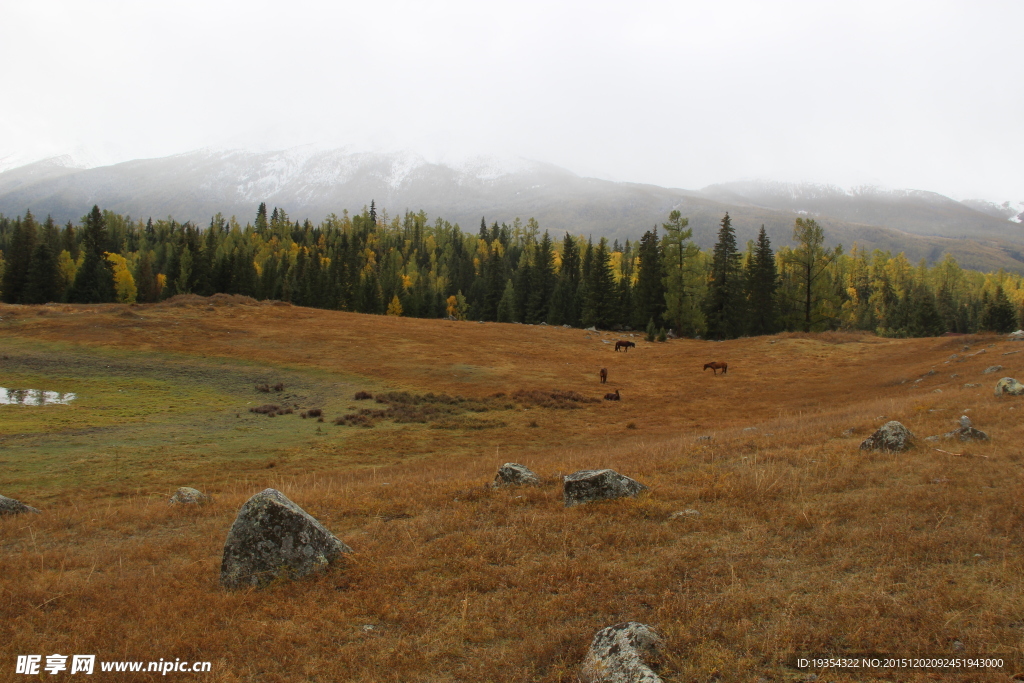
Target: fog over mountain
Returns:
[312, 183]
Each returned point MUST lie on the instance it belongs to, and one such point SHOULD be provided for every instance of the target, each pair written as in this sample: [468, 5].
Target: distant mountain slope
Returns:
[913, 211]
[310, 183]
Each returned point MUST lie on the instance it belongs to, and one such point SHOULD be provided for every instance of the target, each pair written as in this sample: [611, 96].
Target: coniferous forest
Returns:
[408, 265]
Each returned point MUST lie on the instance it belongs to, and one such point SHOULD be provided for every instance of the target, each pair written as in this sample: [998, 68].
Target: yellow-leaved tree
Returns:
[395, 307]
[124, 283]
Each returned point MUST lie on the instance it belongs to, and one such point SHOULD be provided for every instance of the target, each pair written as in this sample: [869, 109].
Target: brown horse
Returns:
[612, 397]
[604, 375]
[715, 367]
[624, 345]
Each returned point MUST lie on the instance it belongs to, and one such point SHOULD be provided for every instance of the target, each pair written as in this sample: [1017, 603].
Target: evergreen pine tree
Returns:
[925, 320]
[724, 307]
[494, 284]
[506, 307]
[18, 258]
[602, 294]
[145, 280]
[42, 283]
[261, 218]
[542, 284]
[649, 293]
[564, 304]
[762, 282]
[998, 315]
[94, 281]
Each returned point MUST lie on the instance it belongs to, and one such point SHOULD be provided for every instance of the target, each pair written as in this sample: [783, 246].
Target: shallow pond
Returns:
[34, 397]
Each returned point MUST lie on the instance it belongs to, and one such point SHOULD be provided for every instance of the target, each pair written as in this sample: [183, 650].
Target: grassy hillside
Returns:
[803, 544]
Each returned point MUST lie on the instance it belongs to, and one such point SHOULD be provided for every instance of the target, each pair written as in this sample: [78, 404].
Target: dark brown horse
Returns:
[624, 345]
[715, 367]
[604, 375]
[612, 397]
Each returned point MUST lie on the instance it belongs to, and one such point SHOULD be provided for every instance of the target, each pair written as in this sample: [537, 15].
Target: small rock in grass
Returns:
[971, 386]
[514, 474]
[587, 486]
[992, 368]
[187, 495]
[1008, 385]
[9, 506]
[966, 432]
[684, 513]
[892, 437]
[621, 653]
[273, 538]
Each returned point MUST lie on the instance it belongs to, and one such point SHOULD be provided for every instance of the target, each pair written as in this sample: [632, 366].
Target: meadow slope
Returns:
[803, 544]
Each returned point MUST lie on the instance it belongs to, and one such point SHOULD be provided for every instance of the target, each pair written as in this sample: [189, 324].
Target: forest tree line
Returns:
[410, 266]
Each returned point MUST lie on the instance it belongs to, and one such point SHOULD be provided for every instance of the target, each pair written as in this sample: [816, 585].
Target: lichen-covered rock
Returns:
[892, 437]
[514, 474]
[966, 432]
[187, 495]
[9, 506]
[272, 538]
[587, 486]
[620, 654]
[1008, 385]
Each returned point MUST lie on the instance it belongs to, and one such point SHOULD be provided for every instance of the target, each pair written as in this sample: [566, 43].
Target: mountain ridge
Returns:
[310, 182]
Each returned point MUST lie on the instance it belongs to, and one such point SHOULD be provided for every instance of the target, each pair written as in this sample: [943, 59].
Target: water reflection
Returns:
[34, 397]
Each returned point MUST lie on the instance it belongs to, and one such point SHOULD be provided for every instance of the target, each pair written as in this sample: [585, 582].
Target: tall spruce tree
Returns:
[19, 258]
[94, 281]
[600, 304]
[762, 282]
[649, 293]
[724, 308]
[998, 315]
[565, 308]
[42, 282]
[542, 284]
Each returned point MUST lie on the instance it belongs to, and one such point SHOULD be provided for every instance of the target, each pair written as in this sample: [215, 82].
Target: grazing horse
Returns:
[604, 375]
[715, 367]
[624, 345]
[612, 397]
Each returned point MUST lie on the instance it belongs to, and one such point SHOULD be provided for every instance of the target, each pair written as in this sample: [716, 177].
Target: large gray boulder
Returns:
[273, 538]
[514, 474]
[587, 486]
[892, 437]
[186, 495]
[1008, 385]
[9, 506]
[619, 654]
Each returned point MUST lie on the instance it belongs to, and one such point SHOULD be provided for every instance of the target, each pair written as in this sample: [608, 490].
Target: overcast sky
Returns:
[925, 95]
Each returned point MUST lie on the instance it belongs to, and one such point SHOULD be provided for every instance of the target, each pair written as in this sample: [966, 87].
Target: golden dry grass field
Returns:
[803, 545]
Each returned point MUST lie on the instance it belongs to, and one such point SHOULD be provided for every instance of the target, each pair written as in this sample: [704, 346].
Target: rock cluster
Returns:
[587, 486]
[273, 538]
[892, 437]
[187, 495]
[514, 474]
[620, 654]
[1008, 385]
[9, 506]
[966, 432]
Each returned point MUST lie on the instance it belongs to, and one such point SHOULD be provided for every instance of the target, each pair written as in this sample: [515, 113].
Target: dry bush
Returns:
[363, 395]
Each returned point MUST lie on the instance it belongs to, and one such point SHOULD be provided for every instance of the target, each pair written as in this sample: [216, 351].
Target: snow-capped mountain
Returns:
[312, 182]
